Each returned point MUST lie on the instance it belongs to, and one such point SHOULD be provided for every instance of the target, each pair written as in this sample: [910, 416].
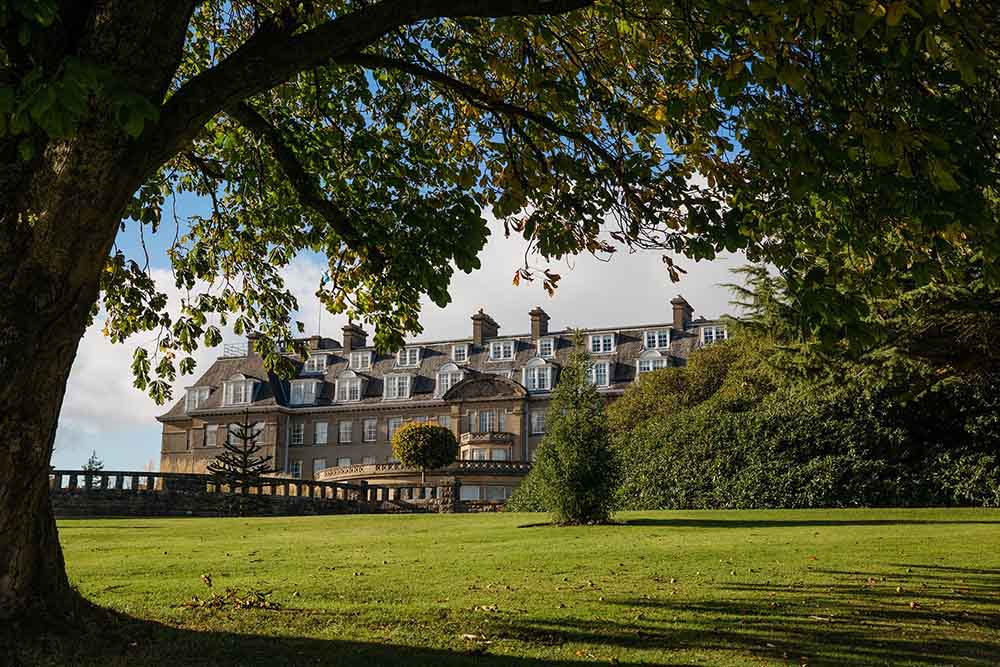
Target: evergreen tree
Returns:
[241, 466]
[93, 464]
[574, 470]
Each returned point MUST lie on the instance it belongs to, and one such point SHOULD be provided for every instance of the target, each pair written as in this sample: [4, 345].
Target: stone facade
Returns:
[335, 418]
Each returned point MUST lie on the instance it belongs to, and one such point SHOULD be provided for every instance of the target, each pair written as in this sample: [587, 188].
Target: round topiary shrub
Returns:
[419, 445]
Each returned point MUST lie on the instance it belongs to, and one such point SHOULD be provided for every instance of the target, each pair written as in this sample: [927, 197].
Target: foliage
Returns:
[424, 446]
[240, 466]
[93, 464]
[852, 145]
[574, 471]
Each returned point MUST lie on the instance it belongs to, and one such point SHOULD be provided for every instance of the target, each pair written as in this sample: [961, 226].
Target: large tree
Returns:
[854, 143]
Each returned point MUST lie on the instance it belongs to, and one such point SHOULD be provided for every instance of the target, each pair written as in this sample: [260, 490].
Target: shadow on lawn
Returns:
[797, 523]
[859, 620]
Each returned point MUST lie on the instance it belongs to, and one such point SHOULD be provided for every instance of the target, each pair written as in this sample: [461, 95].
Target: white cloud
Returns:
[104, 412]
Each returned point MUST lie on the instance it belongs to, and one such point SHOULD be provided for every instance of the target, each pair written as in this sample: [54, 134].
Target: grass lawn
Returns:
[846, 587]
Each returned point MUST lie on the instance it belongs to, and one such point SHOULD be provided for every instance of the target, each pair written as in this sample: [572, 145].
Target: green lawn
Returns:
[854, 587]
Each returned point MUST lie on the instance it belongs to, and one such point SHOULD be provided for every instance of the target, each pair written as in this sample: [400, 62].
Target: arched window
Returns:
[448, 376]
[539, 375]
[238, 390]
[350, 387]
[651, 360]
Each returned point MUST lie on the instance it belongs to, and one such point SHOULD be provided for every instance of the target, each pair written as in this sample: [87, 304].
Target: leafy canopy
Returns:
[852, 145]
[424, 446]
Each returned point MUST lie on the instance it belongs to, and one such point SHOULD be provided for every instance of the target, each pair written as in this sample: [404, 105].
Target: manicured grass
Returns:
[853, 587]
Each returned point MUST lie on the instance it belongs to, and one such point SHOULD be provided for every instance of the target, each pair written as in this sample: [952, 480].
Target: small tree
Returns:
[574, 469]
[93, 464]
[424, 446]
[240, 466]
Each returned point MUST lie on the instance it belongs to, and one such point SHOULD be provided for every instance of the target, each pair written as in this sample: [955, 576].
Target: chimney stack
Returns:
[682, 312]
[252, 344]
[483, 327]
[354, 337]
[539, 323]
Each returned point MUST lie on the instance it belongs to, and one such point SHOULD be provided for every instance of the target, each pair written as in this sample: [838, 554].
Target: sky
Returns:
[103, 413]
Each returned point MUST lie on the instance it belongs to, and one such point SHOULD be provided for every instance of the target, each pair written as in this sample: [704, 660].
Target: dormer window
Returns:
[501, 350]
[599, 374]
[397, 386]
[238, 390]
[602, 343]
[460, 353]
[651, 360]
[448, 376]
[538, 375]
[315, 364]
[304, 392]
[349, 387]
[361, 360]
[713, 334]
[408, 357]
[656, 339]
[546, 347]
[196, 397]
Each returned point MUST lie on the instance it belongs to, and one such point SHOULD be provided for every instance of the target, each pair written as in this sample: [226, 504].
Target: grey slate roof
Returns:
[274, 392]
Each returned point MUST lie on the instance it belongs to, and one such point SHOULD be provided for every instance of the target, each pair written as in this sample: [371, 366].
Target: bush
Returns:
[420, 445]
[573, 477]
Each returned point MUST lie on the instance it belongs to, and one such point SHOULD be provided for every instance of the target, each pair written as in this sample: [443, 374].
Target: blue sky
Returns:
[102, 412]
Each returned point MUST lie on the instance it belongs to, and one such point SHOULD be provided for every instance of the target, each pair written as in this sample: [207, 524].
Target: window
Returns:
[496, 493]
[408, 357]
[393, 425]
[487, 421]
[295, 469]
[344, 461]
[448, 377]
[538, 376]
[318, 464]
[319, 433]
[211, 435]
[315, 364]
[480, 453]
[304, 392]
[602, 343]
[397, 386]
[713, 334]
[368, 460]
[238, 390]
[538, 422]
[468, 492]
[460, 353]
[501, 350]
[350, 387]
[499, 454]
[371, 430]
[444, 420]
[361, 361]
[651, 361]
[546, 347]
[298, 436]
[598, 374]
[196, 397]
[658, 339]
[345, 432]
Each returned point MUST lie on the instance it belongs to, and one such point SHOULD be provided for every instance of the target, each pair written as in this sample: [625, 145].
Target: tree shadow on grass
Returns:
[797, 523]
[109, 638]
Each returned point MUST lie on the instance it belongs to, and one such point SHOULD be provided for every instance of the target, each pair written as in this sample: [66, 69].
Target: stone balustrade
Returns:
[487, 438]
[457, 468]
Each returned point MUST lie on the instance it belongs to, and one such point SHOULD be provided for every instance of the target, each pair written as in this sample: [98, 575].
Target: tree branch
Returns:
[305, 184]
[271, 57]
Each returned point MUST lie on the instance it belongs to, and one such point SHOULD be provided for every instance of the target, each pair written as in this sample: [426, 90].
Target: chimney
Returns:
[252, 344]
[354, 337]
[483, 327]
[314, 342]
[682, 312]
[539, 323]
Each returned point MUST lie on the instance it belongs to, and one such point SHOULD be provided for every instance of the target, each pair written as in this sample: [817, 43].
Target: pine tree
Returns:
[575, 468]
[93, 464]
[241, 466]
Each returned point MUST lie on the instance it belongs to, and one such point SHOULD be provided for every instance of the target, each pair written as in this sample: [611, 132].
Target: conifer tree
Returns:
[240, 466]
[575, 468]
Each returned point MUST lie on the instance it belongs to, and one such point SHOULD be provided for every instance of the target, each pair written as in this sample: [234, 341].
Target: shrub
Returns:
[574, 469]
[420, 445]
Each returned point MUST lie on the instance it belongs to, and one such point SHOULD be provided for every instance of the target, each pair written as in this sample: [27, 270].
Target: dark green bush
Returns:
[424, 446]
